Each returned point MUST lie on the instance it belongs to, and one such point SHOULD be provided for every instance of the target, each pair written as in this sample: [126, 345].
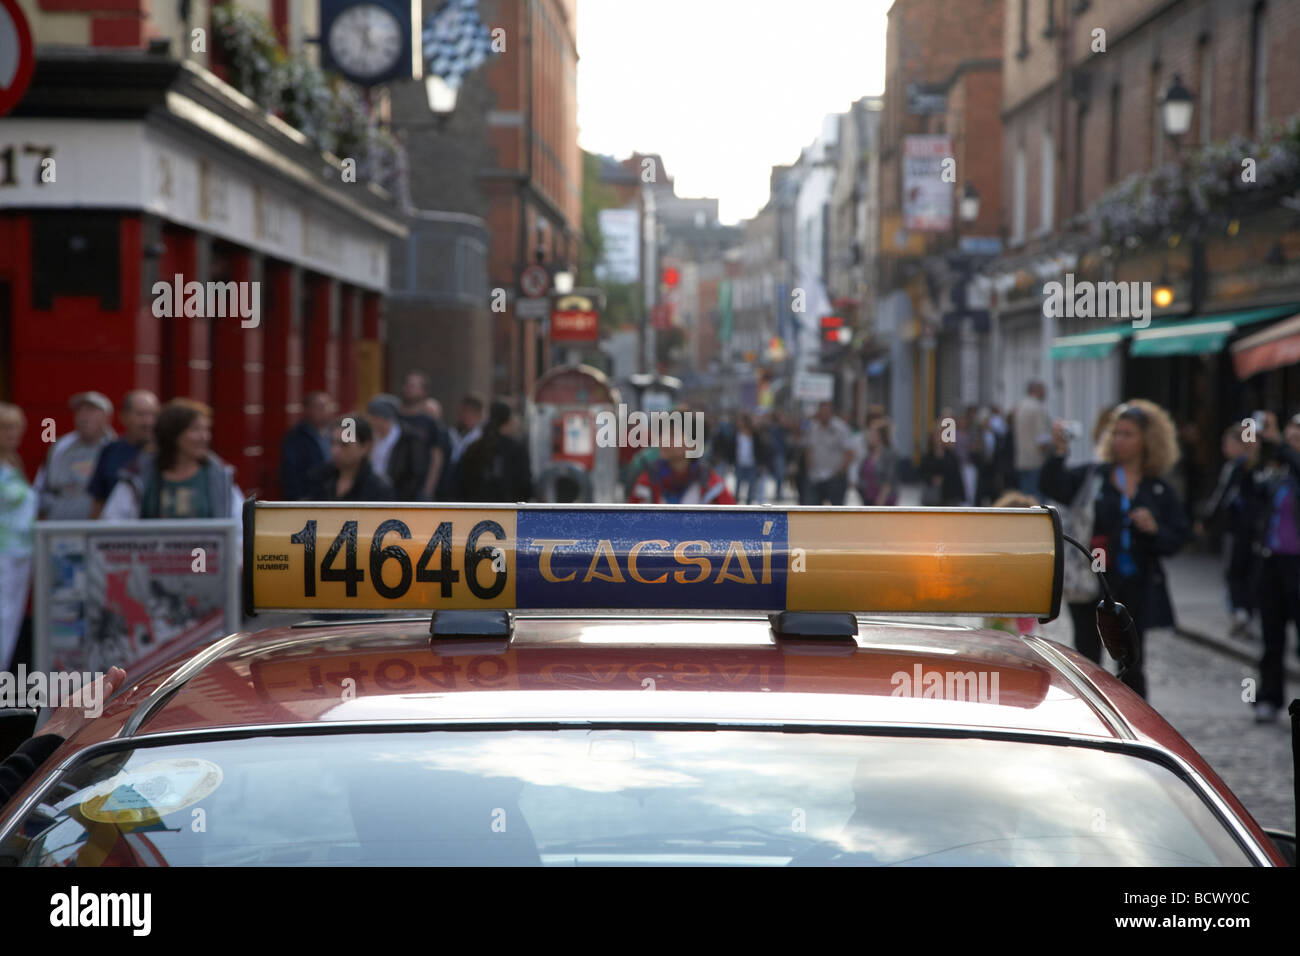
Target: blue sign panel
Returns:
[652, 559]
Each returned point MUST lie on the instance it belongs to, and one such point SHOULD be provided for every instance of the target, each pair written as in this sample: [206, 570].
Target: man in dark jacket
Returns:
[496, 467]
[306, 447]
[398, 454]
[348, 476]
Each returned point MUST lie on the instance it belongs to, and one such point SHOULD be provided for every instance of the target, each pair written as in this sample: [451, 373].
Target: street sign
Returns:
[814, 387]
[575, 318]
[17, 55]
[980, 245]
[533, 307]
[534, 281]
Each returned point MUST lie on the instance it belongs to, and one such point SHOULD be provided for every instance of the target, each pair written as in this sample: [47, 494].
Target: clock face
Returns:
[365, 40]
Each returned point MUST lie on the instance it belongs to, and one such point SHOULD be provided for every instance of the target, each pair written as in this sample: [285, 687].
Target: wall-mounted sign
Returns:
[924, 100]
[575, 318]
[927, 195]
[620, 258]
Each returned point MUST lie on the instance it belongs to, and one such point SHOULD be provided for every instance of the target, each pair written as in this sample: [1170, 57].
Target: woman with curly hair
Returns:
[1138, 518]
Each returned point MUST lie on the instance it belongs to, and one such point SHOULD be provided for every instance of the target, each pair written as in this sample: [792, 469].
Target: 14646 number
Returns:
[444, 574]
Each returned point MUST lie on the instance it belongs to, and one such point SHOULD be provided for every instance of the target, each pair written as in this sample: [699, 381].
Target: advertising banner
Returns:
[126, 593]
[927, 197]
[620, 260]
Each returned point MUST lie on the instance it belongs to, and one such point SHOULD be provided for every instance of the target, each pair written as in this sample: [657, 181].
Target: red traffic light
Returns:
[834, 331]
[671, 277]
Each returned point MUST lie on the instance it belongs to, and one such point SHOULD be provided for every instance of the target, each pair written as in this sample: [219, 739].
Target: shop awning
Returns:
[1201, 335]
[1091, 345]
[1276, 346]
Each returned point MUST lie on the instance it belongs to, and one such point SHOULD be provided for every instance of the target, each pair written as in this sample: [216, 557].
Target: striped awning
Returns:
[1096, 344]
[1201, 335]
[1274, 347]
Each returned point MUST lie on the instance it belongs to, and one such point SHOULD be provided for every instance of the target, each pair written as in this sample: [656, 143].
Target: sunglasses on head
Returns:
[1132, 412]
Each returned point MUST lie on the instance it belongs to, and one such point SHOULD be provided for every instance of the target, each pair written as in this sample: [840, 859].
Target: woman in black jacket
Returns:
[1138, 518]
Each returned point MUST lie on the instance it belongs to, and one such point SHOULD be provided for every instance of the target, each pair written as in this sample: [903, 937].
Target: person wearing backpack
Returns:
[1137, 517]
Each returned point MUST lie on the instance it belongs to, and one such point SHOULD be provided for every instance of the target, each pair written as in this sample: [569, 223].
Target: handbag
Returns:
[1080, 584]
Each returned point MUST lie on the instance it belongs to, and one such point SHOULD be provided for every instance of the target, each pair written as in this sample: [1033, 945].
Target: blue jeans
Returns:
[746, 475]
[778, 475]
[1028, 481]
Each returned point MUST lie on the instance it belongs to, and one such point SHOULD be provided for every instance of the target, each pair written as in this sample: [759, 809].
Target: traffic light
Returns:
[670, 277]
[834, 331]
[835, 336]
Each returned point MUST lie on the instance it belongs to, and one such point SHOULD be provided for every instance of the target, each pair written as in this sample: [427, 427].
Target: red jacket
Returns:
[698, 485]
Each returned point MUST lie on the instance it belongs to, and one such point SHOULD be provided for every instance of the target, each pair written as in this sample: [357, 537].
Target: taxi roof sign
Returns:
[394, 556]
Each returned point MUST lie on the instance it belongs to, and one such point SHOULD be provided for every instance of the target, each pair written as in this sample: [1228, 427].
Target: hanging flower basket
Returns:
[330, 112]
[1213, 184]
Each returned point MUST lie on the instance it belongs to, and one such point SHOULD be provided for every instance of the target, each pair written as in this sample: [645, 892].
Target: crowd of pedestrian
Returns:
[1133, 501]
[162, 466]
[1123, 502]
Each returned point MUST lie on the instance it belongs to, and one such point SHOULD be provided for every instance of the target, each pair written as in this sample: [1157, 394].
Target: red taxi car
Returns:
[506, 727]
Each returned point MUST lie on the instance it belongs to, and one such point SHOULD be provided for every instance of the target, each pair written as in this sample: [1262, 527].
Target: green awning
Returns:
[1201, 335]
[1091, 345]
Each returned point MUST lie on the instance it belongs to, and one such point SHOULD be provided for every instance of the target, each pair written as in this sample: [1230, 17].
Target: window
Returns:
[1259, 68]
[1112, 159]
[1023, 51]
[1157, 119]
[620, 797]
[1050, 29]
[1018, 198]
[1047, 195]
[1205, 81]
[1080, 129]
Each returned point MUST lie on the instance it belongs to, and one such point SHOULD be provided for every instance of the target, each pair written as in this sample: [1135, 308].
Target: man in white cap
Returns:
[63, 479]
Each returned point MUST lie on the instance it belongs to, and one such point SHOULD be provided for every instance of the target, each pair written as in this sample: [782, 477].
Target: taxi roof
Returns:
[596, 667]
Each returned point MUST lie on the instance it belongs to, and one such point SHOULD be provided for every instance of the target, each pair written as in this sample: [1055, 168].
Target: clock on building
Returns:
[369, 41]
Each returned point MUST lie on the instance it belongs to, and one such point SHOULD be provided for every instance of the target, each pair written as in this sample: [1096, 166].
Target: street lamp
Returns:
[1176, 109]
[441, 95]
[969, 207]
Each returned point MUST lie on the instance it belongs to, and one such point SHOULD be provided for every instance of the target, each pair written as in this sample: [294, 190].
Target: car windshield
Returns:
[619, 797]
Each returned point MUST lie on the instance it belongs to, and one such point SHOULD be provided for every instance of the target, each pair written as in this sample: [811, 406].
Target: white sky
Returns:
[722, 89]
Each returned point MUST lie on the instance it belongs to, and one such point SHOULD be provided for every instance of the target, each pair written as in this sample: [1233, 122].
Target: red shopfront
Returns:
[189, 183]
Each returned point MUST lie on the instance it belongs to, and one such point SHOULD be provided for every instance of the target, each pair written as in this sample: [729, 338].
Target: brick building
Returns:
[164, 170]
[506, 165]
[1083, 88]
[940, 80]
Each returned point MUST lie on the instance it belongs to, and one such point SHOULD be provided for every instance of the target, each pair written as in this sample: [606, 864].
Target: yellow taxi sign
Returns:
[314, 557]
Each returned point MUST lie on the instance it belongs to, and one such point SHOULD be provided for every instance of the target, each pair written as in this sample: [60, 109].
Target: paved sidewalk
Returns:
[1200, 610]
